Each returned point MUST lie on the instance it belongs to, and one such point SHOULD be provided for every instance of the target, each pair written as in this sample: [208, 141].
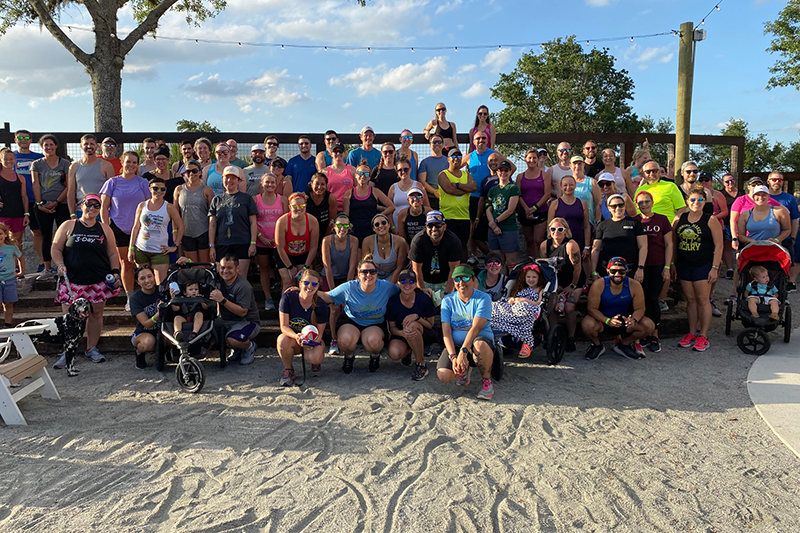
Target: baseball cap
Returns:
[754, 180]
[704, 176]
[492, 257]
[605, 176]
[278, 161]
[463, 270]
[617, 261]
[504, 164]
[576, 158]
[434, 217]
[232, 170]
[366, 129]
[338, 147]
[760, 188]
[406, 275]
[541, 151]
[109, 140]
[413, 190]
[258, 147]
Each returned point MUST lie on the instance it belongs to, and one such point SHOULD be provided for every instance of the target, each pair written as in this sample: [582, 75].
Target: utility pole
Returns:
[685, 81]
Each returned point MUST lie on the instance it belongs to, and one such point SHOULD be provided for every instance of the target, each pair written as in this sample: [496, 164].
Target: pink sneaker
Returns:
[687, 341]
[701, 344]
[638, 349]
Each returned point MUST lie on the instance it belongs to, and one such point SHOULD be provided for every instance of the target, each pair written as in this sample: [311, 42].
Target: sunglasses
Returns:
[441, 109]
[298, 206]
[616, 271]
[387, 152]
[644, 202]
[407, 137]
[481, 139]
[565, 150]
[697, 200]
[92, 205]
[24, 138]
[482, 114]
[192, 171]
[590, 147]
[407, 281]
[606, 183]
[313, 284]
[434, 226]
[616, 206]
[362, 174]
[272, 144]
[436, 142]
[558, 230]
[690, 171]
[462, 279]
[404, 169]
[342, 226]
[156, 189]
[220, 152]
[650, 171]
[303, 144]
[495, 263]
[108, 145]
[369, 271]
[455, 156]
[776, 180]
[415, 197]
[380, 223]
[727, 182]
[331, 139]
[338, 152]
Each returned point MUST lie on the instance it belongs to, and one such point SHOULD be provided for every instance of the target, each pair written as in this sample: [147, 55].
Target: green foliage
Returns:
[191, 126]
[563, 88]
[786, 42]
[659, 152]
[759, 154]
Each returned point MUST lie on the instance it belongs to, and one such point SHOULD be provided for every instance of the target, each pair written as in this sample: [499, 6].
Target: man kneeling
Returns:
[467, 334]
[616, 304]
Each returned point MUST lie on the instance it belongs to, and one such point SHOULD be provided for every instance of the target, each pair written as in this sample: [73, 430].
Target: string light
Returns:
[240, 45]
[715, 8]
[412, 49]
[631, 39]
[456, 49]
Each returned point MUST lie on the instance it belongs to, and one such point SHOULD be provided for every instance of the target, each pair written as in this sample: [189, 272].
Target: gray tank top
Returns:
[340, 261]
[89, 179]
[194, 211]
[385, 266]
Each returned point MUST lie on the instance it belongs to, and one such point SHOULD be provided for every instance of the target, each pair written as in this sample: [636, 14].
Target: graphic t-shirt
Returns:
[8, 252]
[147, 303]
[364, 309]
[233, 212]
[299, 317]
[24, 162]
[460, 314]
[619, 240]
[253, 175]
[498, 199]
[52, 181]
[435, 259]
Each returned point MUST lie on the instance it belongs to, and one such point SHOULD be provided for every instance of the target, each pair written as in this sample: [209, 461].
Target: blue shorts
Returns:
[243, 331]
[507, 241]
[726, 232]
[690, 273]
[8, 291]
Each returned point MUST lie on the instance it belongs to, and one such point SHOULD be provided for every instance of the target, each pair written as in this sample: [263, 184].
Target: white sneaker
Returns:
[269, 304]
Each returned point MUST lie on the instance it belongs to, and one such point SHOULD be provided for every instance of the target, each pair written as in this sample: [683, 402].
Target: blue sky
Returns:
[262, 89]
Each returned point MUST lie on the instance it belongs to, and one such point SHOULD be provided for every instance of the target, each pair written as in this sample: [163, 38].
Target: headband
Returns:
[608, 200]
[532, 267]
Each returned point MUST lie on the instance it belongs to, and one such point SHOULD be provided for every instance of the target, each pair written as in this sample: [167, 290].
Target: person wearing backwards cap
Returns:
[366, 151]
[616, 305]
[434, 254]
[233, 221]
[467, 334]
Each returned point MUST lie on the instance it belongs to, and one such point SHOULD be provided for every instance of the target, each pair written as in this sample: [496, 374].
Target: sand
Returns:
[669, 443]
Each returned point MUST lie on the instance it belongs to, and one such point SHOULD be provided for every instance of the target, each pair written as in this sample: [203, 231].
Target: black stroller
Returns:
[776, 259]
[188, 371]
[553, 338]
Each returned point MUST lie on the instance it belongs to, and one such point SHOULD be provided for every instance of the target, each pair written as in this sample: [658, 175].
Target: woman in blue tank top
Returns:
[763, 222]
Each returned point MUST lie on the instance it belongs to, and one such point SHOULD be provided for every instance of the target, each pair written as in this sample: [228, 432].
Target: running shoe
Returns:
[287, 379]
[525, 351]
[570, 347]
[654, 345]
[487, 390]
[374, 363]
[701, 344]
[316, 371]
[790, 287]
[714, 311]
[420, 372]
[406, 361]
[729, 274]
[626, 351]
[40, 268]
[47, 275]
[269, 304]
[248, 355]
[347, 365]
[594, 351]
[141, 362]
[638, 349]
[95, 355]
[234, 355]
[663, 306]
[463, 379]
[687, 341]
[334, 349]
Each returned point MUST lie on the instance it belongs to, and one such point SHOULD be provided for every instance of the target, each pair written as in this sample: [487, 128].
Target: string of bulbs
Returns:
[715, 8]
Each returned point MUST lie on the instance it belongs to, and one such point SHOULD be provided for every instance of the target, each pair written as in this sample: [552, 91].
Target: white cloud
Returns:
[600, 3]
[643, 57]
[476, 89]
[347, 105]
[496, 59]
[430, 77]
[129, 104]
[33, 104]
[273, 87]
[448, 6]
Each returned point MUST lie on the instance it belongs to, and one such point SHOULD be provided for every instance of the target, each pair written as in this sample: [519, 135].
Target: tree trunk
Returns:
[105, 71]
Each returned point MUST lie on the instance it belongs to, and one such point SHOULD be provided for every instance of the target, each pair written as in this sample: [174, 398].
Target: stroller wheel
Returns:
[190, 375]
[556, 344]
[729, 316]
[753, 341]
[787, 323]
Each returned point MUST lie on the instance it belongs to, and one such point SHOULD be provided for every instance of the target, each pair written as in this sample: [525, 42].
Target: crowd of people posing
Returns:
[375, 244]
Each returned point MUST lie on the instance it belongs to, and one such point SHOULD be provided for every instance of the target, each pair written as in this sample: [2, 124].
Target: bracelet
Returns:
[715, 267]
[535, 207]
[452, 356]
[153, 318]
[26, 215]
[211, 245]
[586, 248]
[666, 267]
[607, 321]
[252, 242]
[130, 247]
[259, 235]
[73, 215]
[174, 231]
[594, 273]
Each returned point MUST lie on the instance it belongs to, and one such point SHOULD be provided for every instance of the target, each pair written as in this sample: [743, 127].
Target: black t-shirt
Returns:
[383, 178]
[299, 317]
[619, 240]
[141, 301]
[435, 259]
[397, 312]
[594, 169]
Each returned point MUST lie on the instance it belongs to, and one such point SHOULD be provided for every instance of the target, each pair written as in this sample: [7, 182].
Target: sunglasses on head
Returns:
[369, 271]
[310, 283]
[462, 279]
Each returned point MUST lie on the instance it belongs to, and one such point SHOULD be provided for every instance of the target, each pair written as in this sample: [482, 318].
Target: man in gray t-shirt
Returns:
[430, 167]
[238, 311]
[254, 172]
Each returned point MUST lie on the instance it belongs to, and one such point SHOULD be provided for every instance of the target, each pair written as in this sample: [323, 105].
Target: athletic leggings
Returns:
[59, 216]
[651, 285]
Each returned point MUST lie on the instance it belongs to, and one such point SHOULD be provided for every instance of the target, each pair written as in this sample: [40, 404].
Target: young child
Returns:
[517, 314]
[9, 254]
[759, 291]
[188, 312]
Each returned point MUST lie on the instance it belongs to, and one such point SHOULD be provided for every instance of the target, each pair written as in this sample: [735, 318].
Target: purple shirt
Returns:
[126, 195]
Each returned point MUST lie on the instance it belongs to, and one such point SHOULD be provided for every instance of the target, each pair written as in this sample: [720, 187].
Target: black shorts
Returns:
[473, 207]
[294, 260]
[615, 332]
[539, 217]
[193, 244]
[429, 336]
[263, 250]
[460, 228]
[33, 220]
[240, 251]
[344, 319]
[444, 359]
[123, 239]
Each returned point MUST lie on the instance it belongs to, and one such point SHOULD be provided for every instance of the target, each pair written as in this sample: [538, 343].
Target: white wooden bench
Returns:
[30, 365]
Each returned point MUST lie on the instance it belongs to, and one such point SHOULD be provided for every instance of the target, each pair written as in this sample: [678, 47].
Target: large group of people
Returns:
[376, 244]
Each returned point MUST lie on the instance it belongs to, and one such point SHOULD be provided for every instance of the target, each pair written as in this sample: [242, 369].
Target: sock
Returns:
[7, 325]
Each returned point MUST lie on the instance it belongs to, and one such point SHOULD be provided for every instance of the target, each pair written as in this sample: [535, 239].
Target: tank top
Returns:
[320, 211]
[729, 200]
[339, 184]
[414, 224]
[86, 254]
[328, 158]
[454, 207]
[384, 178]
[567, 270]
[297, 244]
[11, 196]
[611, 304]
[340, 261]
[573, 214]
[446, 133]
[268, 216]
[386, 266]
[619, 179]
[153, 231]
[89, 178]
[361, 212]
[400, 198]
[695, 243]
[531, 190]
[193, 207]
[215, 180]
[762, 230]
[583, 191]
[487, 130]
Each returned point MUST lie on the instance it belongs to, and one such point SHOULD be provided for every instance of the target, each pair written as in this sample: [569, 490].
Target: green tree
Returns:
[191, 126]
[759, 154]
[659, 152]
[786, 42]
[562, 88]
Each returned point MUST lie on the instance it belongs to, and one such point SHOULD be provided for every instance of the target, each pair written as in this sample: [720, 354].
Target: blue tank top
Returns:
[583, 191]
[769, 228]
[328, 159]
[612, 305]
[215, 180]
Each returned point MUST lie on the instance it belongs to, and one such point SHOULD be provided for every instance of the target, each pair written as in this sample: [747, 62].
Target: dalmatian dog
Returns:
[66, 330]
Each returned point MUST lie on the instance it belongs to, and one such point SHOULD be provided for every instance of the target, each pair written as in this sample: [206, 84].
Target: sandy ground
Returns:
[670, 443]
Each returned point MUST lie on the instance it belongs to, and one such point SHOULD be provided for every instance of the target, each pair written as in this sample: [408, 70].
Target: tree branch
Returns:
[148, 24]
[93, 8]
[47, 20]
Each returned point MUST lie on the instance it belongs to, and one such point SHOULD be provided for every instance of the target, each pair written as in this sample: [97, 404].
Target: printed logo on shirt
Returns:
[461, 322]
[435, 268]
[297, 324]
[690, 237]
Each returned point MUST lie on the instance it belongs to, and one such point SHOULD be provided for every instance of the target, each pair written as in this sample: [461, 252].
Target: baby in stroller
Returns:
[187, 312]
[759, 290]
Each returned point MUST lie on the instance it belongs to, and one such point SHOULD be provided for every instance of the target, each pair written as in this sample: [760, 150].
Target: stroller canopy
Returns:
[760, 251]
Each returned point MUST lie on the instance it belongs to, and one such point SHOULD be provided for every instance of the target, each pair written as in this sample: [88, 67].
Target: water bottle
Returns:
[175, 288]
[560, 304]
[111, 281]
